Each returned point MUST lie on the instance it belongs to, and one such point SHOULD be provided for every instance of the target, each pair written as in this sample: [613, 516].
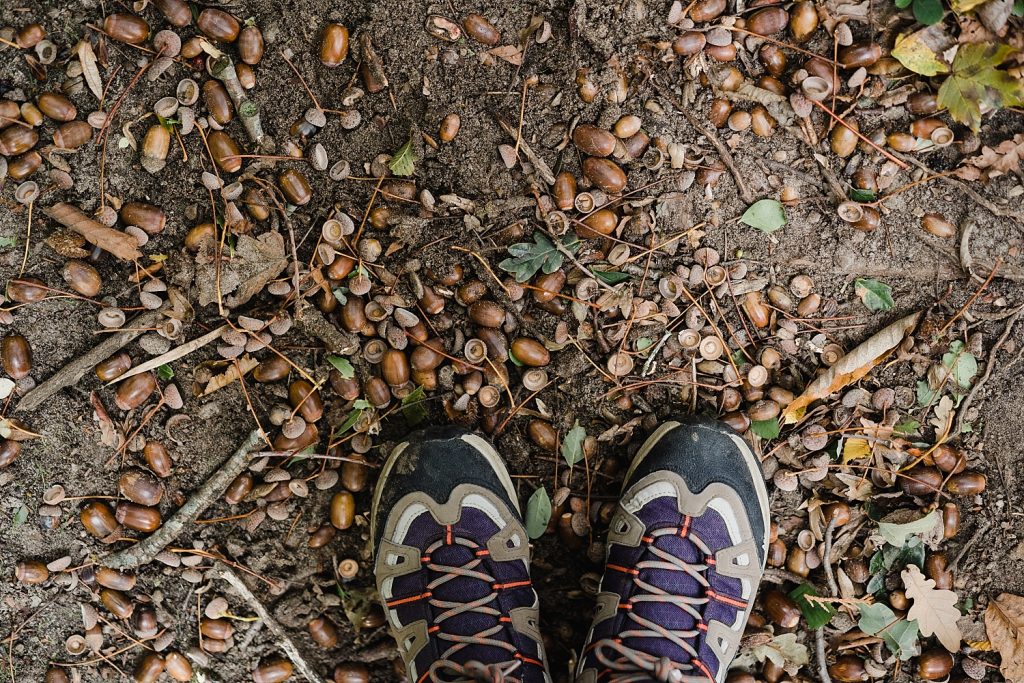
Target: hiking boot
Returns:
[685, 553]
[452, 562]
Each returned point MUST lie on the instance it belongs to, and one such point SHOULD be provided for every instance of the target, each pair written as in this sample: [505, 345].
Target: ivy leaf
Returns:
[404, 160]
[538, 513]
[928, 12]
[343, 366]
[767, 215]
[572, 444]
[412, 407]
[877, 296]
[963, 366]
[817, 614]
[766, 429]
[977, 84]
[611, 277]
[527, 259]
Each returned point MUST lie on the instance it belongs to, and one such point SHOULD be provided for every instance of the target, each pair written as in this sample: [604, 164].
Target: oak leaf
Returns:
[1004, 624]
[934, 610]
[1003, 158]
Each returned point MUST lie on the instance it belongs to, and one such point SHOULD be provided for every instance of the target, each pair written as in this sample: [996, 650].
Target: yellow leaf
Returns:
[854, 449]
[852, 366]
[980, 645]
[963, 6]
[921, 51]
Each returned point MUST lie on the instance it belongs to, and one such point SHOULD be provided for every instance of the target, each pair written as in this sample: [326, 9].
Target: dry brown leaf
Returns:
[1004, 623]
[1003, 158]
[852, 366]
[935, 610]
[255, 262]
[110, 435]
[510, 53]
[120, 244]
[246, 363]
[90, 70]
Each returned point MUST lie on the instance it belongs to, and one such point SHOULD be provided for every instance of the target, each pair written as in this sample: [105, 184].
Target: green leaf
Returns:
[343, 366]
[909, 426]
[928, 12]
[925, 394]
[361, 404]
[766, 429]
[875, 617]
[1018, 8]
[817, 614]
[923, 51]
[977, 84]
[897, 534]
[572, 444]
[538, 513]
[901, 639]
[767, 215]
[858, 195]
[903, 4]
[20, 515]
[352, 418]
[963, 366]
[527, 259]
[165, 372]
[412, 407]
[877, 296]
[8, 242]
[610, 277]
[403, 163]
[339, 294]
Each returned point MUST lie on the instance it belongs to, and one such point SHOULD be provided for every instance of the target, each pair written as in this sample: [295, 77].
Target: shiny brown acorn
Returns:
[72, 135]
[157, 458]
[113, 367]
[134, 391]
[112, 578]
[780, 608]
[767, 21]
[936, 224]
[140, 486]
[16, 140]
[803, 21]
[9, 451]
[126, 28]
[98, 519]
[138, 517]
[250, 45]
[450, 125]
[530, 352]
[31, 572]
[323, 632]
[17, 356]
[225, 151]
[148, 668]
[934, 664]
[150, 218]
[343, 510]
[480, 29]
[295, 187]
[592, 140]
[605, 173]
[306, 399]
[334, 45]
[57, 107]
[689, 43]
[272, 671]
[25, 165]
[706, 10]
[177, 12]
[218, 25]
[218, 103]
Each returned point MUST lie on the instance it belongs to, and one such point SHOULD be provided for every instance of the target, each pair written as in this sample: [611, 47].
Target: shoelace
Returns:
[474, 672]
[451, 610]
[639, 665]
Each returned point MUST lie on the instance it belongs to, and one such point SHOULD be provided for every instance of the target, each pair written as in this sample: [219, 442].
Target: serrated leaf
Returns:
[538, 513]
[897, 534]
[934, 610]
[963, 366]
[908, 426]
[610, 277]
[767, 215]
[572, 444]
[921, 51]
[165, 372]
[403, 162]
[343, 366]
[784, 651]
[412, 407]
[876, 296]
[928, 12]
[541, 255]
[766, 429]
[976, 84]
[817, 614]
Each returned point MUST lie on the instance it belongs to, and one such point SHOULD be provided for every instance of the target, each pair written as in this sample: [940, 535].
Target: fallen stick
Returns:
[72, 372]
[723, 152]
[305, 668]
[213, 488]
[223, 69]
[310, 320]
[172, 355]
[543, 170]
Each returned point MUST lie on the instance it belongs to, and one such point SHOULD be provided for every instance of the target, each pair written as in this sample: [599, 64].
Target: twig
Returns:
[967, 546]
[213, 488]
[73, 371]
[305, 668]
[723, 151]
[172, 355]
[827, 558]
[310, 320]
[819, 641]
[864, 138]
[223, 69]
[543, 170]
[989, 365]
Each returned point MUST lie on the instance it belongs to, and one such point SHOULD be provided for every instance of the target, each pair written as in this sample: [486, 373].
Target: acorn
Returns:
[450, 125]
[25, 165]
[719, 113]
[112, 578]
[225, 151]
[355, 475]
[605, 174]
[30, 35]
[157, 458]
[761, 122]
[31, 572]
[323, 632]
[921, 481]
[377, 392]
[126, 28]
[343, 510]
[56, 675]
[843, 140]
[948, 459]
[57, 107]
[134, 391]
[177, 12]
[273, 670]
[72, 135]
[593, 140]
[9, 451]
[238, 489]
[113, 367]
[272, 369]
[839, 513]
[334, 45]
[967, 483]
[250, 45]
[936, 224]
[487, 314]
[901, 142]
[564, 191]
[149, 668]
[394, 368]
[706, 10]
[598, 224]
[860, 54]
[803, 21]
[869, 221]
[934, 664]
[548, 286]
[689, 43]
[295, 187]
[351, 672]
[773, 58]
[218, 25]
[150, 218]
[935, 568]
[767, 21]
[530, 352]
[139, 486]
[721, 53]
[848, 669]
[17, 356]
[138, 517]
[758, 313]
[543, 434]
[481, 30]
[218, 103]
[950, 520]
[117, 603]
[155, 146]
[15, 140]
[923, 103]
[303, 396]
[780, 608]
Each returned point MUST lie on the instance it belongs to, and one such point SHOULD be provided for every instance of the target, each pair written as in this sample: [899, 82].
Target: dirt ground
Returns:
[429, 79]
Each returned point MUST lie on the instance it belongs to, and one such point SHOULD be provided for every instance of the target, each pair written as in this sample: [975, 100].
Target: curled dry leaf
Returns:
[246, 363]
[1004, 623]
[90, 71]
[852, 366]
[934, 610]
[120, 244]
